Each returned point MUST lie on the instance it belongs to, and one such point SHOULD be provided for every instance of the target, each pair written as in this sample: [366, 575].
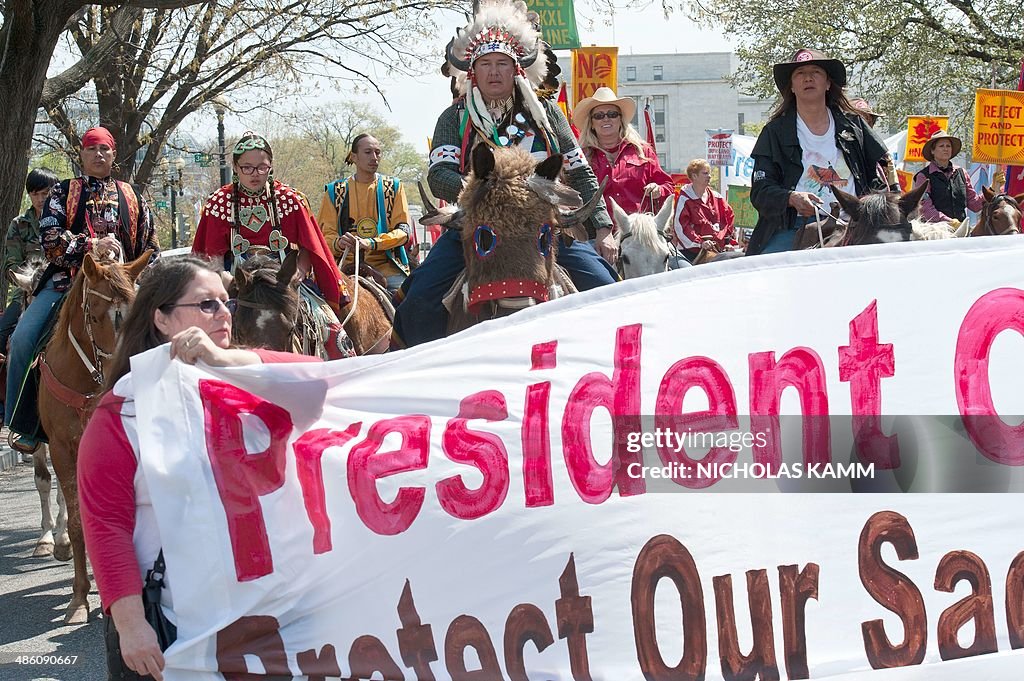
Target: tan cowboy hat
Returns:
[833, 67]
[926, 150]
[604, 95]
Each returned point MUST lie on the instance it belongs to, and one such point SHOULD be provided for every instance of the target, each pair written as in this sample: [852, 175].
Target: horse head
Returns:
[26, 277]
[1001, 214]
[512, 214]
[643, 240]
[880, 217]
[267, 295]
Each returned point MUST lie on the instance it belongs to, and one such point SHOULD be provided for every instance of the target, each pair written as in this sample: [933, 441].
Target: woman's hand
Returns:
[804, 202]
[605, 245]
[139, 648]
[653, 189]
[193, 345]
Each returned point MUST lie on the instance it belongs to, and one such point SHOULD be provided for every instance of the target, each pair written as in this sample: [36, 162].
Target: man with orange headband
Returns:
[95, 214]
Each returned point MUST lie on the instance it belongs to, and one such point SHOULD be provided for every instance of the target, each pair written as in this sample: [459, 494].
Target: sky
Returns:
[416, 102]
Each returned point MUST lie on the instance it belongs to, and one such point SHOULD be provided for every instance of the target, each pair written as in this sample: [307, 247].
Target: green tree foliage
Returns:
[906, 56]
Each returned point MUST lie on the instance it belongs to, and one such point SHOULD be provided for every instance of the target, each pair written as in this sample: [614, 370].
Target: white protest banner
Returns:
[477, 508]
[719, 146]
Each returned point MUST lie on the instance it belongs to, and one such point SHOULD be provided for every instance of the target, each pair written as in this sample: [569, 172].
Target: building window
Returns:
[663, 161]
[739, 123]
[630, 73]
[659, 73]
[638, 111]
[658, 104]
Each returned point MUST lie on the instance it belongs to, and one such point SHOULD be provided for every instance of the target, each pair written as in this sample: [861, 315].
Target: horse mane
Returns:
[121, 286]
[880, 209]
[929, 231]
[263, 289]
[644, 229]
[504, 192]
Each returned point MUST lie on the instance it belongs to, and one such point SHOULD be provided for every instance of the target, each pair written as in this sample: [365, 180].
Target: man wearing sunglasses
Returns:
[498, 107]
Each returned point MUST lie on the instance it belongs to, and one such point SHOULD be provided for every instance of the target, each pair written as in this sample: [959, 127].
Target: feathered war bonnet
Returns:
[503, 27]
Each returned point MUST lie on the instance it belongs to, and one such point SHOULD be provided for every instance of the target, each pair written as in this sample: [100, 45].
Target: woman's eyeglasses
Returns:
[209, 306]
[601, 115]
[262, 169]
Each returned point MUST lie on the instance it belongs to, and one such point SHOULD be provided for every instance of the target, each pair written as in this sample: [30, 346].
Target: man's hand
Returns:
[107, 248]
[606, 247]
[998, 181]
[804, 202]
[349, 240]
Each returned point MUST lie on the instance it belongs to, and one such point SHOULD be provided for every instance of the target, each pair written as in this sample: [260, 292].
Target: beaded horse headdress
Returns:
[503, 27]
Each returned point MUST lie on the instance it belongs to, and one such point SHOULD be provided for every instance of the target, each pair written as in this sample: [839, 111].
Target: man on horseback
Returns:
[499, 59]
[94, 214]
[22, 241]
[369, 212]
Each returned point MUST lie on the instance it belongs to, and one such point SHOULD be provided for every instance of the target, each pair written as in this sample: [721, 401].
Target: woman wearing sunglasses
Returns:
[617, 152]
[257, 212]
[181, 301]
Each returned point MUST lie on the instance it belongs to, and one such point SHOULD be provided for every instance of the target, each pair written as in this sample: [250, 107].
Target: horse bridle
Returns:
[990, 208]
[96, 371]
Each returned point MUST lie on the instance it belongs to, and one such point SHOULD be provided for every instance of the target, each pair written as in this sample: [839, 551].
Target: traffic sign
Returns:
[161, 205]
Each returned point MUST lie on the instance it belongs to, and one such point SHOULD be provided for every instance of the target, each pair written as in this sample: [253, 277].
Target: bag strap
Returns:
[155, 577]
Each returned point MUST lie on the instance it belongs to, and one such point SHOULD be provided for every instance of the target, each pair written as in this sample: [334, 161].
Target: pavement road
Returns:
[34, 593]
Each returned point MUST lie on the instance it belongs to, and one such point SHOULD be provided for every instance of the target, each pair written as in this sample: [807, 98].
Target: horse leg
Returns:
[64, 455]
[62, 548]
[43, 479]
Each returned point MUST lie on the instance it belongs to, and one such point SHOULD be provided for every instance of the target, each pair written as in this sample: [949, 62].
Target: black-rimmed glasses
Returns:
[601, 115]
[208, 306]
[262, 169]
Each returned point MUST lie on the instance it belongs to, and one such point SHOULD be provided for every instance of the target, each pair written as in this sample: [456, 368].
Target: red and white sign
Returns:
[480, 504]
[719, 145]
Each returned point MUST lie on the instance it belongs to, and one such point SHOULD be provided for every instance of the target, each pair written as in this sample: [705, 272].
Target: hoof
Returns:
[43, 549]
[63, 553]
[76, 614]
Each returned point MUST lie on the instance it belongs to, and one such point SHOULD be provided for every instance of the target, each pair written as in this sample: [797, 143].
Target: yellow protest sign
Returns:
[593, 67]
[998, 127]
[919, 130]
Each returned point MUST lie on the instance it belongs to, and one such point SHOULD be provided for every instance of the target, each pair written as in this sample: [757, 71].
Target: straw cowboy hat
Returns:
[929, 146]
[604, 95]
[833, 67]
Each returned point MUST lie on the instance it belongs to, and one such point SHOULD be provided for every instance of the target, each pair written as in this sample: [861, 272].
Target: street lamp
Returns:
[220, 105]
[172, 185]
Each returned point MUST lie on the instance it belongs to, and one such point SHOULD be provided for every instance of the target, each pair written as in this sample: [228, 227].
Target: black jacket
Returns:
[778, 165]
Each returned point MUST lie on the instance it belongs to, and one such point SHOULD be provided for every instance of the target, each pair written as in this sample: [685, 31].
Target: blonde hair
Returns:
[589, 140]
[697, 164]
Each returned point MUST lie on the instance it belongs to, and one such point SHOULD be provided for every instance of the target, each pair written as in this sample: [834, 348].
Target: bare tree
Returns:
[169, 63]
[28, 36]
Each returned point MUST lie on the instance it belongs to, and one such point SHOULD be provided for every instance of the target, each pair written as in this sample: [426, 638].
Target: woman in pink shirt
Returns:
[181, 301]
[702, 213]
[616, 151]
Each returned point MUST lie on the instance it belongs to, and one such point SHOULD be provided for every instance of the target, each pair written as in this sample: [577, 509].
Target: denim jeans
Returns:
[422, 317]
[784, 239]
[23, 344]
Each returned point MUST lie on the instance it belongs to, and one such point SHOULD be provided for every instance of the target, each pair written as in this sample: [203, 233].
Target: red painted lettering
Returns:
[243, 477]
[863, 364]
[309, 449]
[485, 451]
[366, 465]
[993, 313]
[536, 438]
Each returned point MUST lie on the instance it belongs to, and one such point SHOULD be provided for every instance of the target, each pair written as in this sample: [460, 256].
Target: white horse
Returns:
[644, 240]
[53, 539]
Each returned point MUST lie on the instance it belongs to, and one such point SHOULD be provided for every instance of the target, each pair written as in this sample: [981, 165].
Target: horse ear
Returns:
[619, 215]
[483, 161]
[136, 267]
[287, 275]
[89, 266]
[988, 193]
[1019, 199]
[849, 202]
[550, 167]
[241, 281]
[912, 199]
[663, 219]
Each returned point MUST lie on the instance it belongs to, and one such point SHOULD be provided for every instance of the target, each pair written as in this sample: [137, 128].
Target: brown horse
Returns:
[1001, 214]
[71, 373]
[510, 219]
[272, 314]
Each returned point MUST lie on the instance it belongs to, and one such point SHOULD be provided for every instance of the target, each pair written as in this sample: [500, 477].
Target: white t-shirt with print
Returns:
[824, 164]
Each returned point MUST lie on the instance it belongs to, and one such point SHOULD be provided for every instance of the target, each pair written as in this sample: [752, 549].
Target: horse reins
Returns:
[990, 209]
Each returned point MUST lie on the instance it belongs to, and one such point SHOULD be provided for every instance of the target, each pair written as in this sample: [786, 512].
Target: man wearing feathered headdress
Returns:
[498, 60]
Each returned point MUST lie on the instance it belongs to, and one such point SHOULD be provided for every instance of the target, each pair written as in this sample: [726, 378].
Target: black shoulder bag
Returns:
[166, 632]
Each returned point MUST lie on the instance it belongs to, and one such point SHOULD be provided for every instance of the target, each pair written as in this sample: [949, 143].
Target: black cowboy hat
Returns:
[833, 67]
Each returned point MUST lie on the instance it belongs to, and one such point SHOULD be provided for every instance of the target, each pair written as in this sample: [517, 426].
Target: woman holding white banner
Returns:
[814, 140]
[181, 301]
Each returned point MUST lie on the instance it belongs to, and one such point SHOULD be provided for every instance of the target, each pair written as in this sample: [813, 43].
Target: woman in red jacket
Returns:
[616, 151]
[703, 215]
